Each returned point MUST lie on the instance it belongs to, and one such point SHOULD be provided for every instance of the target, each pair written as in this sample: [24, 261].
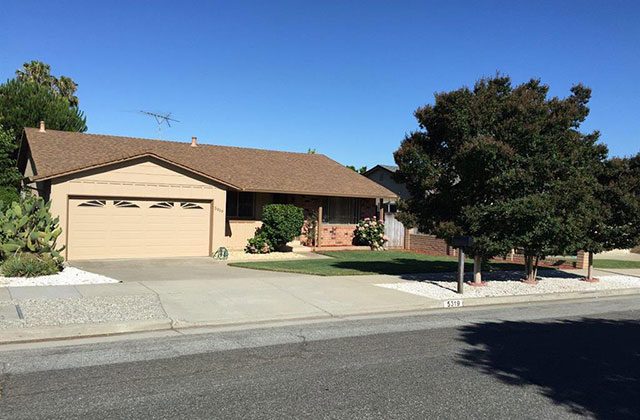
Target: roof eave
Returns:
[323, 193]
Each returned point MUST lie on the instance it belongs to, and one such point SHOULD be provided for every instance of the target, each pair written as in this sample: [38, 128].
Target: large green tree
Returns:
[506, 165]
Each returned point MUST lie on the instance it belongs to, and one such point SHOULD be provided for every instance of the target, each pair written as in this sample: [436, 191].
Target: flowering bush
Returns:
[370, 231]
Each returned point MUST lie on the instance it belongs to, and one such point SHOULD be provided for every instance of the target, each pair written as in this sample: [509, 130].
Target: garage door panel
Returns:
[134, 228]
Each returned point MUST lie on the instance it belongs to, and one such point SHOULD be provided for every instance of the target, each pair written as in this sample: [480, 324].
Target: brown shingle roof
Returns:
[58, 153]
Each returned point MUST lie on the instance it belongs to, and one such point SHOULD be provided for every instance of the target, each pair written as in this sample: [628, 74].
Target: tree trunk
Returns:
[531, 264]
[477, 269]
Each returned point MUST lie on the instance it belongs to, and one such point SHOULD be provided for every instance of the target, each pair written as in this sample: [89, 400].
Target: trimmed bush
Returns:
[29, 265]
[259, 244]
[281, 223]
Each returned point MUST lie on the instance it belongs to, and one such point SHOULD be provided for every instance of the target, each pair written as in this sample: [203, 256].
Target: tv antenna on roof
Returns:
[160, 119]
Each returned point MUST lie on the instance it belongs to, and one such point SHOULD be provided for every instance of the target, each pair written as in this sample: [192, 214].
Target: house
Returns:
[122, 197]
[383, 175]
[394, 230]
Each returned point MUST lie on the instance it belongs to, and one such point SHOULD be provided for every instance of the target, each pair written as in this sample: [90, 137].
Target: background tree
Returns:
[33, 96]
[9, 174]
[361, 170]
[616, 223]
[25, 104]
[506, 165]
[40, 73]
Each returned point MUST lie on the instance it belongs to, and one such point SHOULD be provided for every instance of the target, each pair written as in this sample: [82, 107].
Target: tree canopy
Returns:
[25, 104]
[506, 165]
[33, 96]
[40, 74]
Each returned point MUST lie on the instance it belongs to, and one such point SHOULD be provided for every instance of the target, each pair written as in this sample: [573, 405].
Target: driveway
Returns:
[202, 291]
[203, 268]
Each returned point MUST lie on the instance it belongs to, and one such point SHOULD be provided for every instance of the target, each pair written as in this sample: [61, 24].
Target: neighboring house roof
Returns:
[390, 168]
[58, 153]
[383, 175]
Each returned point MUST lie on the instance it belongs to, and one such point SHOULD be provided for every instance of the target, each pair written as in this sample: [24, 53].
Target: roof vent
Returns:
[194, 142]
[42, 130]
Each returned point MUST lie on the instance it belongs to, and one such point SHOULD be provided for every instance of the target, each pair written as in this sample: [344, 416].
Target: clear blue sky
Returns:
[340, 76]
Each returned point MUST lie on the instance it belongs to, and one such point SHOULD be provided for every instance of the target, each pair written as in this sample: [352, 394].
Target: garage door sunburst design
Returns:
[93, 203]
[125, 204]
[162, 205]
[190, 206]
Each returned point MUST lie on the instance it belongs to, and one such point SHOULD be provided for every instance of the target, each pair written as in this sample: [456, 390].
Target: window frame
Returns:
[234, 196]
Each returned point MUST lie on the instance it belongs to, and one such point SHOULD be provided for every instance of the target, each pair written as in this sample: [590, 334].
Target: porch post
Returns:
[381, 211]
[319, 227]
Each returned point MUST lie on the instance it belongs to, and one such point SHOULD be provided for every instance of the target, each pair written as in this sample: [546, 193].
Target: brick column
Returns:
[582, 260]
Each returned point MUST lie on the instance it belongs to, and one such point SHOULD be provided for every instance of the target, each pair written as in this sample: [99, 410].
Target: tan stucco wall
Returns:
[239, 231]
[142, 178]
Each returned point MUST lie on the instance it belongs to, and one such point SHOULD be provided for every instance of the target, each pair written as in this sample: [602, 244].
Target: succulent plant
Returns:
[28, 227]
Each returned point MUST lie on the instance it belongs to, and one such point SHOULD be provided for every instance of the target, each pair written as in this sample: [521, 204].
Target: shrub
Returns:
[370, 231]
[259, 244]
[7, 196]
[281, 223]
[26, 226]
[30, 265]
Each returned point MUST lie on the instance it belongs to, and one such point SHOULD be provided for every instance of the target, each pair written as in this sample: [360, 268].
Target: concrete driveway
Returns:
[202, 291]
[203, 268]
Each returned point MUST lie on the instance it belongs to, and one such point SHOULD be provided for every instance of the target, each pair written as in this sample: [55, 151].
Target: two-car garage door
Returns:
[136, 228]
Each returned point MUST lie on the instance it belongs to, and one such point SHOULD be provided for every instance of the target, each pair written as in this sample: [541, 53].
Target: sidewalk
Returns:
[40, 313]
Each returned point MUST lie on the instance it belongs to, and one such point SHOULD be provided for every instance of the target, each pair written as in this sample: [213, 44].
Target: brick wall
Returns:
[336, 235]
[429, 244]
[548, 262]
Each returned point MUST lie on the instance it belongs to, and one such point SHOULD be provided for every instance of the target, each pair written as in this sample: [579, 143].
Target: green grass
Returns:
[348, 263]
[597, 263]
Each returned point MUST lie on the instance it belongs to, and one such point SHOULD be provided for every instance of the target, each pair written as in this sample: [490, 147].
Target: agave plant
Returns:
[27, 226]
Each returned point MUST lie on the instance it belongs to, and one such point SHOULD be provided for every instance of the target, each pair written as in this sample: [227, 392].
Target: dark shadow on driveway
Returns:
[591, 366]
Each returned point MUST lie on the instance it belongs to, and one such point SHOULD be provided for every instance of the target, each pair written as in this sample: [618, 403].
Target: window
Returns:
[93, 203]
[126, 204]
[162, 205]
[190, 206]
[240, 205]
[341, 210]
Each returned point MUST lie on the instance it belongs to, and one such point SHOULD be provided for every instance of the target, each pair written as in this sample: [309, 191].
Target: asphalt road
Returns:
[545, 361]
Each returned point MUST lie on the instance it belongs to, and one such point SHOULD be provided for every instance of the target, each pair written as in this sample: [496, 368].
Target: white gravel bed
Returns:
[68, 276]
[243, 256]
[55, 312]
[446, 289]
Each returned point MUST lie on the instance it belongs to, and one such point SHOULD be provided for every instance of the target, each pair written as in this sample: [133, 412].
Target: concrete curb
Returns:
[51, 333]
[541, 297]
[64, 332]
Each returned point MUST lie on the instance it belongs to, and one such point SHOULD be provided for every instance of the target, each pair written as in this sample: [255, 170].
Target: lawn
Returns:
[598, 263]
[349, 263]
